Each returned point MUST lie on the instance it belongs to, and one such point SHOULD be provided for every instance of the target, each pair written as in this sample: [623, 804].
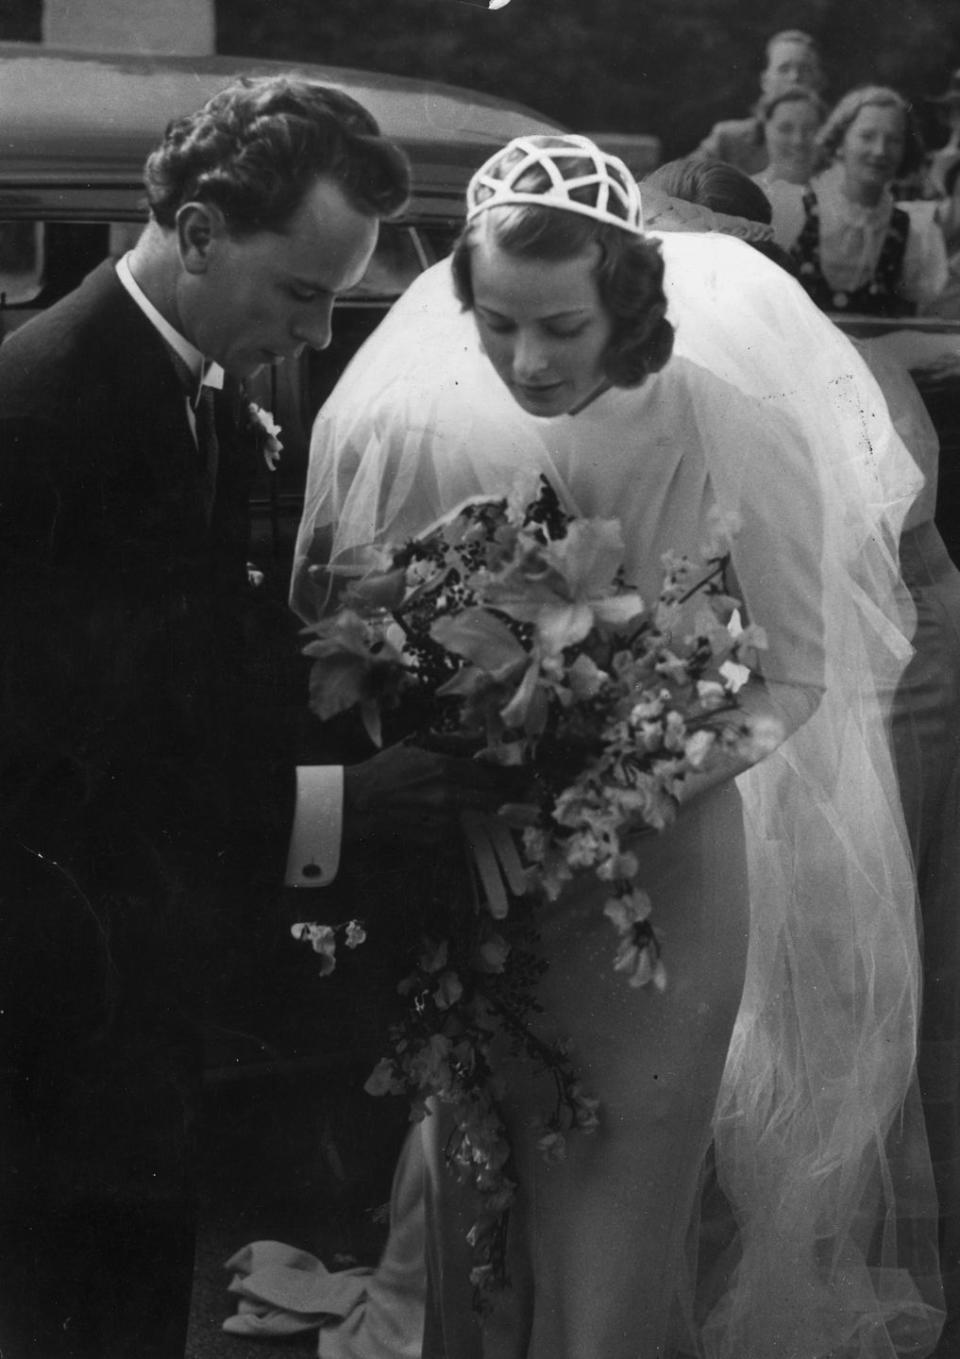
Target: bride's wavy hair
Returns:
[629, 272]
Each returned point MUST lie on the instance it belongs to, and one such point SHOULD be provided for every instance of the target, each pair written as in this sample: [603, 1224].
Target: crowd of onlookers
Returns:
[865, 216]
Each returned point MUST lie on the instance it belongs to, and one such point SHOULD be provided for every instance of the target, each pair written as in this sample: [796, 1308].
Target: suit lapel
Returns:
[150, 424]
[157, 402]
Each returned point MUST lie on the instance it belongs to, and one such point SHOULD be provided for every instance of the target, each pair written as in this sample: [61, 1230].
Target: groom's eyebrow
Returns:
[322, 286]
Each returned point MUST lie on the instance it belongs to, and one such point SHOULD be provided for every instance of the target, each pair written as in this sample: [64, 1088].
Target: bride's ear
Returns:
[199, 226]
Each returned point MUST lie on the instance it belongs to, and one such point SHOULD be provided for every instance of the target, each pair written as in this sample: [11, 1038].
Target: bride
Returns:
[759, 1185]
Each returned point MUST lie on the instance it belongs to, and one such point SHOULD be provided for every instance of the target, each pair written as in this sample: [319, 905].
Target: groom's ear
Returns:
[199, 226]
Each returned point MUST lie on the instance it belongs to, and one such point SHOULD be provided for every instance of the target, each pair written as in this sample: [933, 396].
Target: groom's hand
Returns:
[408, 795]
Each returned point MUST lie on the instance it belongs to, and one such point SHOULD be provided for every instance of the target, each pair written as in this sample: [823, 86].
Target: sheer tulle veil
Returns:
[818, 1203]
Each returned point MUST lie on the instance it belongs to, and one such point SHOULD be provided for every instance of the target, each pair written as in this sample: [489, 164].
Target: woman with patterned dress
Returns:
[856, 249]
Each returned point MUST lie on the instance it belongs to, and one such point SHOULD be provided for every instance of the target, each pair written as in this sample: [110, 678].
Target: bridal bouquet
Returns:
[511, 623]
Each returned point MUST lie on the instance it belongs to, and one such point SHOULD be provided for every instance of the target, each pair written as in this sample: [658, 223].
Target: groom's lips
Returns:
[273, 356]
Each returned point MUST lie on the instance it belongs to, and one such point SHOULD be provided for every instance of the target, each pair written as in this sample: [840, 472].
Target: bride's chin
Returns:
[553, 401]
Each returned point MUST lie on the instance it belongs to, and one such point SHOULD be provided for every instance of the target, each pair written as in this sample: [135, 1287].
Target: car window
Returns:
[40, 261]
[397, 260]
[439, 237]
[21, 262]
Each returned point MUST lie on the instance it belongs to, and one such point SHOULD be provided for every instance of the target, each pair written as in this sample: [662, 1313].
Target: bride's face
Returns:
[542, 325]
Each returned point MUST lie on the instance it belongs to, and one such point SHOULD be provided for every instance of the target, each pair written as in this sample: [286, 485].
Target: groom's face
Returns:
[249, 301]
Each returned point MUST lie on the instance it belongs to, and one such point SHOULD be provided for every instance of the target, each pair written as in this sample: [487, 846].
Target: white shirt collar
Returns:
[830, 194]
[207, 374]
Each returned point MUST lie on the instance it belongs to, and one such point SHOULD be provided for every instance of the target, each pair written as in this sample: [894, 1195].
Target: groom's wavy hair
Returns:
[256, 148]
[629, 271]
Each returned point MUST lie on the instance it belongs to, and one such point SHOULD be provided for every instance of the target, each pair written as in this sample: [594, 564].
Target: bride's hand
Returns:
[408, 795]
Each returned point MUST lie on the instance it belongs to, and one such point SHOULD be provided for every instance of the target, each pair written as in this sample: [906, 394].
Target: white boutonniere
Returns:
[265, 430]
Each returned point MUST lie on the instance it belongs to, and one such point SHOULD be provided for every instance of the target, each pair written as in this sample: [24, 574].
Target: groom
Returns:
[150, 799]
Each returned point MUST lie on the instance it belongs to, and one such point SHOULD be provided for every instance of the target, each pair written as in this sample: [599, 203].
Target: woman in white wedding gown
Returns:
[782, 1051]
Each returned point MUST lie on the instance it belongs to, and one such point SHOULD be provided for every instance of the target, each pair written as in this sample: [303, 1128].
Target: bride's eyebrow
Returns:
[571, 314]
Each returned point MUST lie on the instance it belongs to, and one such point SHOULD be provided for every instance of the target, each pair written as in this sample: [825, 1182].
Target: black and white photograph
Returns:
[479, 679]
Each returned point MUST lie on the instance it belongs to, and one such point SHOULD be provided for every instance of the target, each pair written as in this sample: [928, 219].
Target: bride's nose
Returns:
[530, 355]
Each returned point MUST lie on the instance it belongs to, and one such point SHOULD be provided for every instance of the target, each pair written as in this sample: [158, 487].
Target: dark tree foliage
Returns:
[624, 65]
[21, 20]
[668, 67]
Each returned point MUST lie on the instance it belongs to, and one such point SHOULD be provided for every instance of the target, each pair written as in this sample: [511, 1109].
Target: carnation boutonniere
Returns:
[265, 431]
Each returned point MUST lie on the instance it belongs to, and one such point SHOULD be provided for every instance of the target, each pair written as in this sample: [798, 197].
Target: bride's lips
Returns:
[539, 392]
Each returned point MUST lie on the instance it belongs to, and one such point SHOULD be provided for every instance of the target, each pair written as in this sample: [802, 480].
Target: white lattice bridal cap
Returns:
[577, 177]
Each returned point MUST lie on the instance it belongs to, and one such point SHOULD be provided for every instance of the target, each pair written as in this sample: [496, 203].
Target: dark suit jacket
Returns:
[146, 782]
[739, 142]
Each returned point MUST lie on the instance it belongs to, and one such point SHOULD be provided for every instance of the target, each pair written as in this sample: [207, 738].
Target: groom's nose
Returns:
[314, 325]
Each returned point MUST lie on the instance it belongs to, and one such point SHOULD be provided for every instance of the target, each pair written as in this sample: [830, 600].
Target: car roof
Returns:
[68, 116]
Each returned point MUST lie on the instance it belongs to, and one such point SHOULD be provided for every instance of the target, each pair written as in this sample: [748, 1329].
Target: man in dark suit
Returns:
[792, 59]
[147, 784]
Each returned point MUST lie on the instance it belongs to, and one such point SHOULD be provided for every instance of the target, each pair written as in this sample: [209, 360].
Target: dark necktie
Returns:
[207, 444]
[203, 404]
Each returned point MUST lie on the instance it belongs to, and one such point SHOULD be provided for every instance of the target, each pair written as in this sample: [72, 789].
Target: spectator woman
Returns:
[790, 121]
[857, 250]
